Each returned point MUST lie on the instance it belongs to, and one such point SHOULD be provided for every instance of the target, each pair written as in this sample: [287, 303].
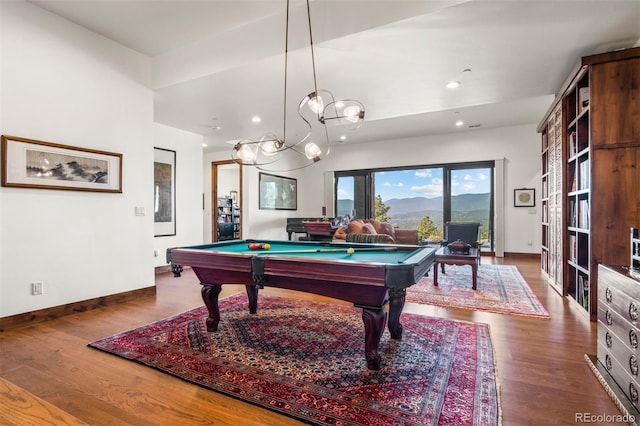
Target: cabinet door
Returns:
[615, 105]
[616, 204]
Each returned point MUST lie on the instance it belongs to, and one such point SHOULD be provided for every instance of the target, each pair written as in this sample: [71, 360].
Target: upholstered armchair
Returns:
[374, 227]
[466, 232]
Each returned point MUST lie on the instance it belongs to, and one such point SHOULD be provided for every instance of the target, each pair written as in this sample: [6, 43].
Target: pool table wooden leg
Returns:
[252, 295]
[177, 270]
[210, 294]
[374, 322]
[396, 305]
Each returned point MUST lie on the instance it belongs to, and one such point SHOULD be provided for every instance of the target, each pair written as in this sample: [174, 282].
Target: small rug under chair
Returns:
[501, 288]
[306, 360]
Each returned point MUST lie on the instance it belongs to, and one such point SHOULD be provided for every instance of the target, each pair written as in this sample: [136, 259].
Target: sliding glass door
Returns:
[412, 199]
[471, 199]
[422, 198]
[353, 195]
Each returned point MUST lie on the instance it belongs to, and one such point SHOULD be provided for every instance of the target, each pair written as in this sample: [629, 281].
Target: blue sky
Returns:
[425, 183]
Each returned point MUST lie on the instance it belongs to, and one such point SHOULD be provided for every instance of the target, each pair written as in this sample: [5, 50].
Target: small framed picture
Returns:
[524, 197]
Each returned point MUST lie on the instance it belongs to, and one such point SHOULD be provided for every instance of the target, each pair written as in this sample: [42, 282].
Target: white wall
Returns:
[64, 84]
[188, 147]
[519, 146]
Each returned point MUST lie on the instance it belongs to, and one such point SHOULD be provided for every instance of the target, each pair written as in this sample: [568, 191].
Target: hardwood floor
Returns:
[543, 378]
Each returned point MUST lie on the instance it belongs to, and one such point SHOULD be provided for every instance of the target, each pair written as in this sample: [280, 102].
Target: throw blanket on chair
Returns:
[370, 238]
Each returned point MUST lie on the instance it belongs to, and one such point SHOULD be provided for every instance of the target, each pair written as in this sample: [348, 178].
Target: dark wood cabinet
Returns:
[619, 332]
[591, 173]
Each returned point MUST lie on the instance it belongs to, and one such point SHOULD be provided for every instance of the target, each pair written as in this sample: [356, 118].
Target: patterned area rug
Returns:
[306, 360]
[501, 289]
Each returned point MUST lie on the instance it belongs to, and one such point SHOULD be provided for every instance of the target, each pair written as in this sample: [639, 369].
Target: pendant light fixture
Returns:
[316, 110]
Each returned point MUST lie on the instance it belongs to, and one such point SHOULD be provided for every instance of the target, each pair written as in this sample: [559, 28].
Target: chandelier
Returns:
[316, 111]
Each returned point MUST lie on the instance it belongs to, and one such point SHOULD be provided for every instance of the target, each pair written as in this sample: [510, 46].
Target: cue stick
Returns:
[328, 250]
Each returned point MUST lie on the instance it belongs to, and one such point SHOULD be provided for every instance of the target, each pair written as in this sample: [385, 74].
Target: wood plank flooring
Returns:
[543, 378]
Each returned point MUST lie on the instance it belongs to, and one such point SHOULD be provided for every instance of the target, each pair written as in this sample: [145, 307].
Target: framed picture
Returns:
[29, 163]
[164, 192]
[524, 197]
[278, 192]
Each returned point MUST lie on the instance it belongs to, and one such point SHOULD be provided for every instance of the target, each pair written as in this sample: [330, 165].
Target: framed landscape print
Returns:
[524, 197]
[278, 192]
[164, 192]
[30, 163]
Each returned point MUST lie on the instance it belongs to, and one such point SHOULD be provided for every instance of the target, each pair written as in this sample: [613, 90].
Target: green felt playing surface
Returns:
[365, 255]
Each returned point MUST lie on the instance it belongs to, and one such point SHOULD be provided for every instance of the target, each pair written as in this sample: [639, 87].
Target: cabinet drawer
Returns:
[627, 383]
[610, 322]
[616, 348]
[608, 277]
[620, 302]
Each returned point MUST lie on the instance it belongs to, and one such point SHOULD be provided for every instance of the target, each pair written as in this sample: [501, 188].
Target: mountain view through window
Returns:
[424, 199]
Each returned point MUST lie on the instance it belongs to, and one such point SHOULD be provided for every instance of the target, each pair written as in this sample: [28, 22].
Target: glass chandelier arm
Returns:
[349, 113]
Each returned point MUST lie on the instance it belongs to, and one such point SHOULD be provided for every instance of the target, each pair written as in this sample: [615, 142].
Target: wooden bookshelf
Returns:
[228, 219]
[593, 152]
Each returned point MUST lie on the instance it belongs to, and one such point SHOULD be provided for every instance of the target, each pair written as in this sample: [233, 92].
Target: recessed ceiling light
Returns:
[453, 84]
[459, 123]
[204, 145]
[256, 119]
[343, 138]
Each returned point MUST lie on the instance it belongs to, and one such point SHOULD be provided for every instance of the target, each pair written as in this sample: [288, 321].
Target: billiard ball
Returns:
[266, 246]
[350, 251]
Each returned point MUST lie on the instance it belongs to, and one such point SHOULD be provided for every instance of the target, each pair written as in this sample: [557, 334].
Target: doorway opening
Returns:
[226, 201]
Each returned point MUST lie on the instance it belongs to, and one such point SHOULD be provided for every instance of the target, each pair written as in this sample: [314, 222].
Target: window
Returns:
[421, 198]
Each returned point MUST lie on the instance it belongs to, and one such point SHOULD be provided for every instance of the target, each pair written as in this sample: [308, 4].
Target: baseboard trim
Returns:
[532, 256]
[163, 269]
[33, 317]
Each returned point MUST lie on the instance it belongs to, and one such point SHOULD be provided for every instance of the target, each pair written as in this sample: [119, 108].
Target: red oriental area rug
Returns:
[306, 360]
[501, 288]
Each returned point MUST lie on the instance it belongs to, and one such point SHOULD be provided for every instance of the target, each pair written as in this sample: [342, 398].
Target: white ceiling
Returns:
[218, 63]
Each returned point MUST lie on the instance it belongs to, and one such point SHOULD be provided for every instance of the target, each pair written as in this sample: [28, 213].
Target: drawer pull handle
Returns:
[607, 362]
[608, 318]
[633, 339]
[608, 294]
[633, 311]
[633, 365]
[633, 393]
[608, 339]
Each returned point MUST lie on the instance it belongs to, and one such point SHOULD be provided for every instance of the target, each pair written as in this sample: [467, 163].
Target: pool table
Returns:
[372, 277]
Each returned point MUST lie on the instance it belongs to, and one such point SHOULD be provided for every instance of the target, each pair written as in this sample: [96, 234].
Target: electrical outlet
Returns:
[37, 288]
